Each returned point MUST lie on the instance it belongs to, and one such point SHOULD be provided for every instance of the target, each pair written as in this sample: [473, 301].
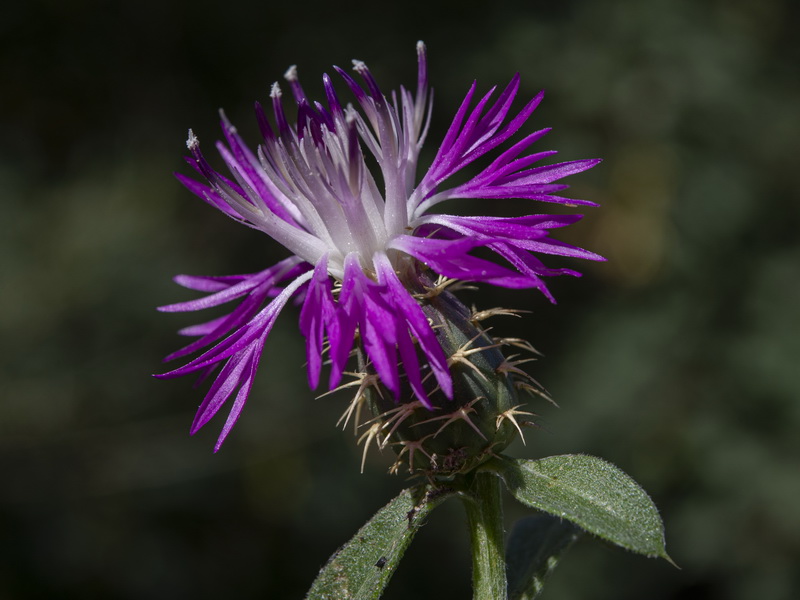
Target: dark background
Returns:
[676, 359]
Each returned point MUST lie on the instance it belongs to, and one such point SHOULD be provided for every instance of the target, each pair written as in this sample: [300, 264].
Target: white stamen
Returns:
[291, 73]
[359, 66]
[275, 91]
[192, 142]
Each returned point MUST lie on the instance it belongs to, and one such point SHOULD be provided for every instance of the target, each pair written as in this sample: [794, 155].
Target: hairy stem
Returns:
[485, 517]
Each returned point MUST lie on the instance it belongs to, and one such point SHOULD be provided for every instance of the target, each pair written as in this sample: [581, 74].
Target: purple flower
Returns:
[359, 242]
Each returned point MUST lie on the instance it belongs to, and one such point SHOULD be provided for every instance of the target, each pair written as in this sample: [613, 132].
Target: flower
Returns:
[359, 242]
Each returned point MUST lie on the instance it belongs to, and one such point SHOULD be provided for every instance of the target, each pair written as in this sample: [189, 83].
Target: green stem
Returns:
[484, 509]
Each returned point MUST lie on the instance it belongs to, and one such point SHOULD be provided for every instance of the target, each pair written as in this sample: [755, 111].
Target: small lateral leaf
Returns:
[590, 492]
[534, 548]
[361, 568]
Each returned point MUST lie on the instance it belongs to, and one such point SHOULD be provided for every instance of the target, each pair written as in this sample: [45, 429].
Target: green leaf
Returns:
[534, 548]
[590, 492]
[361, 568]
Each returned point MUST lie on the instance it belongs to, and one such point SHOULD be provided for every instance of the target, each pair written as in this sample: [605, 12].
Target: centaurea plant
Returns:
[375, 272]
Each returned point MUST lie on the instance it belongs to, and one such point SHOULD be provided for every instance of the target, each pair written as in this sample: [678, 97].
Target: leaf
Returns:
[361, 568]
[534, 548]
[590, 492]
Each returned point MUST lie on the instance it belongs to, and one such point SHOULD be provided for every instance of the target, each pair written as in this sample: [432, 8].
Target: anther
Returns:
[291, 73]
[192, 142]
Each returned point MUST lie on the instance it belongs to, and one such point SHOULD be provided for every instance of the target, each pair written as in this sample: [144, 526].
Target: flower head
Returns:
[361, 241]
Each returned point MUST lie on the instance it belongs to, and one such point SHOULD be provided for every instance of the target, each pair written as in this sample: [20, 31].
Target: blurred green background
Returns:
[677, 359]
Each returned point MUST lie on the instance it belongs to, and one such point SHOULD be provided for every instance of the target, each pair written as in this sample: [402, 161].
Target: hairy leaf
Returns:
[361, 568]
[590, 492]
[534, 548]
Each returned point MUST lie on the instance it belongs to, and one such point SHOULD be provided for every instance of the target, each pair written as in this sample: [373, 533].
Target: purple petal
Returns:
[241, 398]
[412, 313]
[450, 137]
[317, 311]
[226, 382]
[207, 194]
[377, 330]
[548, 173]
[450, 258]
[258, 326]
[208, 283]
[408, 354]
[528, 232]
[330, 94]
[281, 271]
[363, 303]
